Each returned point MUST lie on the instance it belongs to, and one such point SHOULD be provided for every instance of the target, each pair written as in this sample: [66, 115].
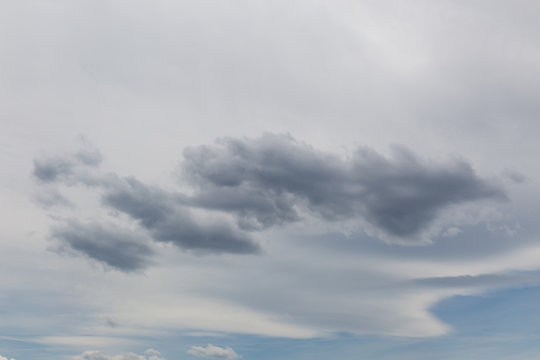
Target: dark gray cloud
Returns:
[167, 221]
[117, 248]
[266, 181]
[51, 169]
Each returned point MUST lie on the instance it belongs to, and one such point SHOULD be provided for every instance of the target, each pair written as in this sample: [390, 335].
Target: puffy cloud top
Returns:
[214, 352]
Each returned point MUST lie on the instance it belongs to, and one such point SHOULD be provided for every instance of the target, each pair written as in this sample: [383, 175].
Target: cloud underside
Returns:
[244, 186]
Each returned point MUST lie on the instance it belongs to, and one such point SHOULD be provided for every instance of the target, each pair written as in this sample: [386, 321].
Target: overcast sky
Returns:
[269, 179]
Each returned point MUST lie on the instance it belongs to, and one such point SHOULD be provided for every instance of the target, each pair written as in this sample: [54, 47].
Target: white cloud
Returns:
[4, 358]
[149, 354]
[214, 352]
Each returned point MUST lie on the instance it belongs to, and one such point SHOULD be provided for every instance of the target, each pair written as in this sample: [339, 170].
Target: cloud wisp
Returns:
[214, 352]
[52, 169]
[244, 186]
[149, 354]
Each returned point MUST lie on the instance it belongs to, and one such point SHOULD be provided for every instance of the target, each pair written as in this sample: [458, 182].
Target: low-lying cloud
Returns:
[214, 352]
[243, 186]
[149, 354]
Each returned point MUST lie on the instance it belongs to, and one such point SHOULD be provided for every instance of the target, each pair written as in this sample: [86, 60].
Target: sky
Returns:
[303, 180]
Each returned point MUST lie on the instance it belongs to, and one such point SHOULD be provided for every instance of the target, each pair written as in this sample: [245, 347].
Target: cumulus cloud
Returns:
[265, 182]
[149, 354]
[5, 358]
[214, 352]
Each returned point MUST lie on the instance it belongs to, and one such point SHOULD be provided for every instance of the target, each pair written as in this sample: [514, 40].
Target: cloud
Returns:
[273, 180]
[149, 354]
[331, 73]
[267, 181]
[4, 358]
[483, 281]
[107, 244]
[51, 198]
[159, 212]
[514, 176]
[214, 352]
[51, 169]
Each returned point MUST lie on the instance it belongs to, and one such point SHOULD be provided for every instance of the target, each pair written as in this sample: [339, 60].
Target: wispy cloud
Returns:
[149, 354]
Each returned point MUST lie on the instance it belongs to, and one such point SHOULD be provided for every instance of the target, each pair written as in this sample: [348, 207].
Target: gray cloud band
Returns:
[270, 181]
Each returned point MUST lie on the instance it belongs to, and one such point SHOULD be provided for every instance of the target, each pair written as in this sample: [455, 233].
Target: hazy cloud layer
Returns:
[484, 281]
[51, 198]
[265, 181]
[149, 354]
[214, 352]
